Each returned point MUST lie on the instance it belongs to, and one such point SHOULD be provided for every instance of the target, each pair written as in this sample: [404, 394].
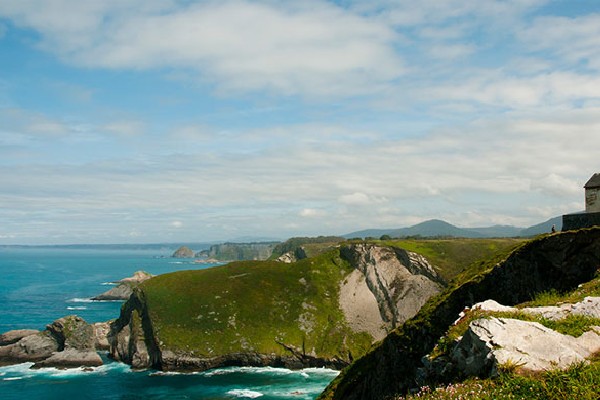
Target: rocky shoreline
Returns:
[67, 342]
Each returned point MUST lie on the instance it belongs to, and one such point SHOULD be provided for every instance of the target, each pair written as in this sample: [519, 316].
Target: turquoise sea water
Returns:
[39, 285]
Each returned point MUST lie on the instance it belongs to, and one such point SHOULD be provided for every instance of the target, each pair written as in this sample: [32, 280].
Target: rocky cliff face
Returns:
[387, 287]
[560, 261]
[381, 289]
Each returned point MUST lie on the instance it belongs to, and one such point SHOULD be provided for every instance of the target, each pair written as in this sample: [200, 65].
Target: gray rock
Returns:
[14, 336]
[491, 342]
[589, 306]
[387, 287]
[125, 287]
[183, 252]
[72, 332]
[30, 348]
[101, 331]
[121, 292]
[70, 358]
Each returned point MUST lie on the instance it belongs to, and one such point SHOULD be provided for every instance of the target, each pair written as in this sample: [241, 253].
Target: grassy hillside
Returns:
[454, 256]
[250, 306]
[553, 262]
[580, 381]
[247, 306]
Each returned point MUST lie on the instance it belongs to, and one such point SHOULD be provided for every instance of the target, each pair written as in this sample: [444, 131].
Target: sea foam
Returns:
[244, 393]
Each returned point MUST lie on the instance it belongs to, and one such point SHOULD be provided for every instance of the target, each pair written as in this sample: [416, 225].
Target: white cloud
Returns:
[312, 213]
[575, 40]
[177, 224]
[311, 48]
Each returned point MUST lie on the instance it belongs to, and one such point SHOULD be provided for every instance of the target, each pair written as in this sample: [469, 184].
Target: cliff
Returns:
[304, 314]
[239, 251]
[559, 262]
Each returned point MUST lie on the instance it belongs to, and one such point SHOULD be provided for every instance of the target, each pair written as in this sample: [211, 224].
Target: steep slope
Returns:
[560, 261]
[271, 313]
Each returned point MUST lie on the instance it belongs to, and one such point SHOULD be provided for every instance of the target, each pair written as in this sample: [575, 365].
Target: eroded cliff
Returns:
[321, 311]
[559, 261]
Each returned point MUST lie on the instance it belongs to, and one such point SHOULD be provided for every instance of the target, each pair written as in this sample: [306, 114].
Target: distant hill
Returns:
[439, 228]
[543, 227]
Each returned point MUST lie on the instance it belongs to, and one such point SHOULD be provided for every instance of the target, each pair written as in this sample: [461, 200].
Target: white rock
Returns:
[495, 341]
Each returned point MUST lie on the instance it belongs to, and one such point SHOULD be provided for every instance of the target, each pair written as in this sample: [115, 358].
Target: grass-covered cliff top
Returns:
[248, 306]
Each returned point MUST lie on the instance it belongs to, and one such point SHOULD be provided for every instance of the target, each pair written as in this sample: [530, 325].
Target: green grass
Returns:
[452, 257]
[389, 366]
[580, 381]
[248, 306]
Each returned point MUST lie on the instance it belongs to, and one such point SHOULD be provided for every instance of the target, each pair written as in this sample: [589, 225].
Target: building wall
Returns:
[592, 200]
[579, 221]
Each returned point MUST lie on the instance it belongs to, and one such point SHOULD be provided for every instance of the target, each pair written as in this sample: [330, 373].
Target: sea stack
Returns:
[183, 252]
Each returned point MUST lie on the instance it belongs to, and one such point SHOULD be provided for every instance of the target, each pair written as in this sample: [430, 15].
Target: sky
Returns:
[145, 121]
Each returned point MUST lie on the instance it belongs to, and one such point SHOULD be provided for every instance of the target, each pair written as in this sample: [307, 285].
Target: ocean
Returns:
[41, 284]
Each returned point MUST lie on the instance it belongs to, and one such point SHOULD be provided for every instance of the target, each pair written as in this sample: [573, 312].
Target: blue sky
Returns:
[166, 120]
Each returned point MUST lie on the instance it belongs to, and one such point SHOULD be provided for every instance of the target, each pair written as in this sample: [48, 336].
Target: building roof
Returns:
[594, 182]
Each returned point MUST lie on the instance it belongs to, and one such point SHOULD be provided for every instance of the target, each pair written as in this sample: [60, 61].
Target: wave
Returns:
[76, 308]
[109, 283]
[244, 393]
[24, 371]
[84, 300]
[306, 372]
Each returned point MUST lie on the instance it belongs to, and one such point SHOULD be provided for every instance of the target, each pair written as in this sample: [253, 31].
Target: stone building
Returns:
[592, 194]
[591, 216]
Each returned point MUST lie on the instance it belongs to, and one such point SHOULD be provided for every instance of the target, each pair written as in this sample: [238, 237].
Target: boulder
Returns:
[70, 358]
[530, 346]
[30, 348]
[11, 337]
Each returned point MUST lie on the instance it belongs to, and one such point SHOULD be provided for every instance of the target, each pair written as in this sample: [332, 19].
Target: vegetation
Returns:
[260, 306]
[580, 381]
[250, 306]
[513, 275]
[454, 256]
[312, 246]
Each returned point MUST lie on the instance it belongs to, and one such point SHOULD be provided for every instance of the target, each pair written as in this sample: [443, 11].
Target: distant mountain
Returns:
[436, 227]
[543, 227]
[497, 231]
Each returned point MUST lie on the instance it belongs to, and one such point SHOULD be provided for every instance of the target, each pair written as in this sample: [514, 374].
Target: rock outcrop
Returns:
[559, 261]
[589, 307]
[292, 256]
[387, 287]
[183, 252]
[11, 337]
[67, 342]
[124, 288]
[527, 346]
